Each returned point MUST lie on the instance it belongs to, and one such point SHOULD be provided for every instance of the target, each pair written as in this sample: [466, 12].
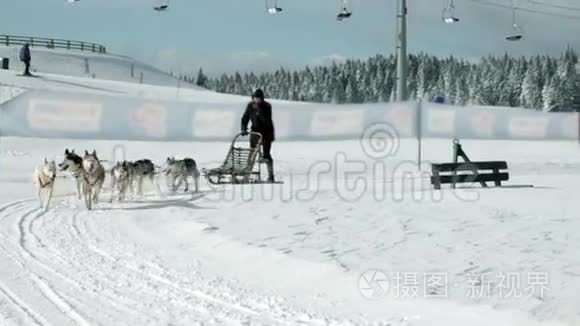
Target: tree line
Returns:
[538, 82]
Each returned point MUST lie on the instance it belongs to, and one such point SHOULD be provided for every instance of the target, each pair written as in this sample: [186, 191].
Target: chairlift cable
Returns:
[523, 9]
[555, 6]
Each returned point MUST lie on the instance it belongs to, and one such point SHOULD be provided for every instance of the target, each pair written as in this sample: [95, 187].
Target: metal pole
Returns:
[401, 50]
[419, 133]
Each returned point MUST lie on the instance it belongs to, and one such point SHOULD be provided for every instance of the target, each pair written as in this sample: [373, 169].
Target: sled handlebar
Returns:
[250, 133]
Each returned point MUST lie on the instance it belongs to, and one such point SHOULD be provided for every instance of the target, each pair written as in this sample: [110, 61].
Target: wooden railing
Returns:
[51, 43]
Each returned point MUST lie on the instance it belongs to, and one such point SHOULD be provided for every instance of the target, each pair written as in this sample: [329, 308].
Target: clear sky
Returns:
[225, 35]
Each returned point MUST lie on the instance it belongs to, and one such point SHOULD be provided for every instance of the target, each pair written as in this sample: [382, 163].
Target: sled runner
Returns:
[29, 75]
[241, 166]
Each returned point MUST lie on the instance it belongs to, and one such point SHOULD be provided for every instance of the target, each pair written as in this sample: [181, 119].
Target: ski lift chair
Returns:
[448, 14]
[344, 10]
[448, 17]
[516, 34]
[272, 7]
[162, 5]
[274, 10]
[344, 14]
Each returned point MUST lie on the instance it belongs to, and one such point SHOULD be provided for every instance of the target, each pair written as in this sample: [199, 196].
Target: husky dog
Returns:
[138, 170]
[120, 180]
[181, 170]
[43, 179]
[73, 163]
[93, 178]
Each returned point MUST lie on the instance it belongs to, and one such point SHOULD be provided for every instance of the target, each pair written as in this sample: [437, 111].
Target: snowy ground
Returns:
[294, 253]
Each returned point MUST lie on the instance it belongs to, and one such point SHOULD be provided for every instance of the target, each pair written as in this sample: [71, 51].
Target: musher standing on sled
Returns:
[260, 113]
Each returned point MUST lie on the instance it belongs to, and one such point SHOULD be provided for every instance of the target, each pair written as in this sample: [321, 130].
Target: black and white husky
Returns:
[73, 163]
[93, 177]
[180, 170]
[120, 180]
[138, 171]
[43, 178]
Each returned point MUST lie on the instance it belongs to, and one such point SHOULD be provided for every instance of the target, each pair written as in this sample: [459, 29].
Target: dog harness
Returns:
[44, 185]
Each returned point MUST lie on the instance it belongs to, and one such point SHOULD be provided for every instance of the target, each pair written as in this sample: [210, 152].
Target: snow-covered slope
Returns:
[293, 254]
[92, 65]
[63, 83]
[171, 92]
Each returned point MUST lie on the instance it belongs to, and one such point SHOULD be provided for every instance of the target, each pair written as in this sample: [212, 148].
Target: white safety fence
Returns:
[37, 113]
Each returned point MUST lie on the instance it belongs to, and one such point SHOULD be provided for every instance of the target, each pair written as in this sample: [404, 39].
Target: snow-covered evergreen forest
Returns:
[539, 82]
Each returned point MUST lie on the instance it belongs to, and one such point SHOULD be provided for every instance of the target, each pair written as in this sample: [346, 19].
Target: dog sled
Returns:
[242, 164]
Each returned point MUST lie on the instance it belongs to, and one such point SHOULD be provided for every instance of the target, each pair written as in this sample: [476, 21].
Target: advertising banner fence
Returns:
[48, 114]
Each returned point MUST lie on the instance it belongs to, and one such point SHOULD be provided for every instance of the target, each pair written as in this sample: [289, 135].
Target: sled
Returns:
[241, 166]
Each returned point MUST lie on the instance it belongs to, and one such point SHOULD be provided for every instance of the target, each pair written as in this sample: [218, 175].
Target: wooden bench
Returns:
[447, 173]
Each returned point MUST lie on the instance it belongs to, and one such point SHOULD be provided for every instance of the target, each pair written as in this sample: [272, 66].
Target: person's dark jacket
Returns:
[25, 54]
[261, 118]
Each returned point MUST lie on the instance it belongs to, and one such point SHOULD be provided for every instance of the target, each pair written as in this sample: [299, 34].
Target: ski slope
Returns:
[90, 65]
[291, 254]
[78, 84]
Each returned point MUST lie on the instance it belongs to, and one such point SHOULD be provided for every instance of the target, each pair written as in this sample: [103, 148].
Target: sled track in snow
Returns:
[25, 258]
[73, 273]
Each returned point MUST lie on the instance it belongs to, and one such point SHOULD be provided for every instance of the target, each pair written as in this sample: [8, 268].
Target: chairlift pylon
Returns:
[161, 5]
[272, 7]
[345, 11]
[516, 34]
[448, 13]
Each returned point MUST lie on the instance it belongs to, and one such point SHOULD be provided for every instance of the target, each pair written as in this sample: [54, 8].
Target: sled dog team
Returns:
[89, 174]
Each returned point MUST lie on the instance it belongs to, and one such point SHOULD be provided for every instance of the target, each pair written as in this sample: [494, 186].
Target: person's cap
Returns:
[258, 94]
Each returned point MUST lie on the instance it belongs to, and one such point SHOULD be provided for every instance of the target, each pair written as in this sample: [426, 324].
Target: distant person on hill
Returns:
[259, 112]
[26, 58]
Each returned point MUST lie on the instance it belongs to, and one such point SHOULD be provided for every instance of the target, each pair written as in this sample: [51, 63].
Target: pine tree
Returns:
[461, 92]
[201, 79]
[514, 82]
[566, 74]
[531, 95]
[475, 90]
[421, 79]
[349, 93]
[550, 94]
[449, 83]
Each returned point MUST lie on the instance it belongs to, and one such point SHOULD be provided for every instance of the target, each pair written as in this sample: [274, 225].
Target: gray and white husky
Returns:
[43, 178]
[120, 180]
[180, 170]
[93, 178]
[73, 163]
[140, 170]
